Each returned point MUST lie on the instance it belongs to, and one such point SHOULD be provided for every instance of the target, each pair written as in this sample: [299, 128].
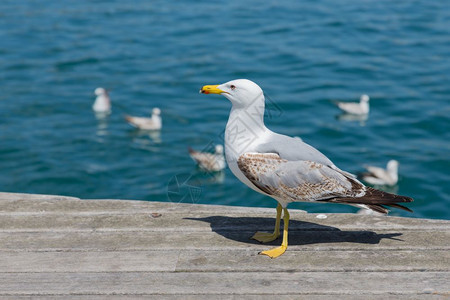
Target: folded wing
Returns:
[311, 181]
[297, 180]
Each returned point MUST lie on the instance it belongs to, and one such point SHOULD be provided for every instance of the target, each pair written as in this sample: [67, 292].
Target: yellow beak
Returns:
[211, 89]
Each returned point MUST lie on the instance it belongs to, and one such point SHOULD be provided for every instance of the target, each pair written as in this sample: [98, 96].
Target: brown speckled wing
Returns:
[297, 180]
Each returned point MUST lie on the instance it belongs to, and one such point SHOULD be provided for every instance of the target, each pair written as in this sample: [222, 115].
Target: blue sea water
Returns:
[53, 54]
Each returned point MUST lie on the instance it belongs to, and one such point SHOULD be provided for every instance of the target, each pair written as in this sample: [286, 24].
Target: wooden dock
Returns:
[55, 247]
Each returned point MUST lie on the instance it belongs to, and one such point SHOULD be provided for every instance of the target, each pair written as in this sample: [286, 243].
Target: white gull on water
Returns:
[380, 176]
[102, 104]
[153, 123]
[283, 167]
[355, 108]
[212, 162]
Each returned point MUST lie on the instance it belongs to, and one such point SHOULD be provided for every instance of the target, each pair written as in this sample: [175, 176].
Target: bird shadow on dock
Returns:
[300, 232]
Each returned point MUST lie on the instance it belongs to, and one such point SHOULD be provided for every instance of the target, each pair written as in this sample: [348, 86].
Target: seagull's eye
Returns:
[232, 87]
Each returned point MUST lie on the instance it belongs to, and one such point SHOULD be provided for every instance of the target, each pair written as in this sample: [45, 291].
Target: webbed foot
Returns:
[275, 252]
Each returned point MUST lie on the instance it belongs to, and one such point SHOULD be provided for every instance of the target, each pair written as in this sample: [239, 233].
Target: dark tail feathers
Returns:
[376, 200]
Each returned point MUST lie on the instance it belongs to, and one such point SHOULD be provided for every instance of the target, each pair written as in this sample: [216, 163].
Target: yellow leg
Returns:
[275, 252]
[265, 237]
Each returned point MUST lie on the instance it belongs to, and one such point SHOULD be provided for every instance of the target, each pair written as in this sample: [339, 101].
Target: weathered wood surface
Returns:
[56, 247]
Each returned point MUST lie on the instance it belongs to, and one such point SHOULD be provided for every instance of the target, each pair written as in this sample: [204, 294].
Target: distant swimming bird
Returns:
[212, 162]
[355, 108]
[380, 176]
[102, 103]
[153, 123]
[285, 168]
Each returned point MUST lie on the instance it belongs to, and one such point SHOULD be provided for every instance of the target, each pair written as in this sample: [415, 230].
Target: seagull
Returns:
[153, 123]
[212, 162]
[102, 104]
[285, 168]
[355, 108]
[380, 176]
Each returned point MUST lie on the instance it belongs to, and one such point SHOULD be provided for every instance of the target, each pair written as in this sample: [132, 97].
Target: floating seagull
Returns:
[102, 104]
[212, 162]
[153, 123]
[285, 168]
[355, 108]
[380, 176]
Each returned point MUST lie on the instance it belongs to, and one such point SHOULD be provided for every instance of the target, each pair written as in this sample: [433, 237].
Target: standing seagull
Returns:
[102, 104]
[153, 123]
[355, 108]
[212, 162]
[285, 168]
[380, 176]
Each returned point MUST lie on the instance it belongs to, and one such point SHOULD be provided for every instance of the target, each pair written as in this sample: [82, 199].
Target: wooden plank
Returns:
[16, 197]
[11, 202]
[330, 261]
[26, 211]
[204, 222]
[94, 261]
[222, 240]
[224, 261]
[428, 296]
[228, 283]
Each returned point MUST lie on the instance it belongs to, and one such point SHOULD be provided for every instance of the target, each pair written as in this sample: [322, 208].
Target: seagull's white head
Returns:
[364, 98]
[392, 166]
[156, 111]
[219, 149]
[241, 92]
[99, 91]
